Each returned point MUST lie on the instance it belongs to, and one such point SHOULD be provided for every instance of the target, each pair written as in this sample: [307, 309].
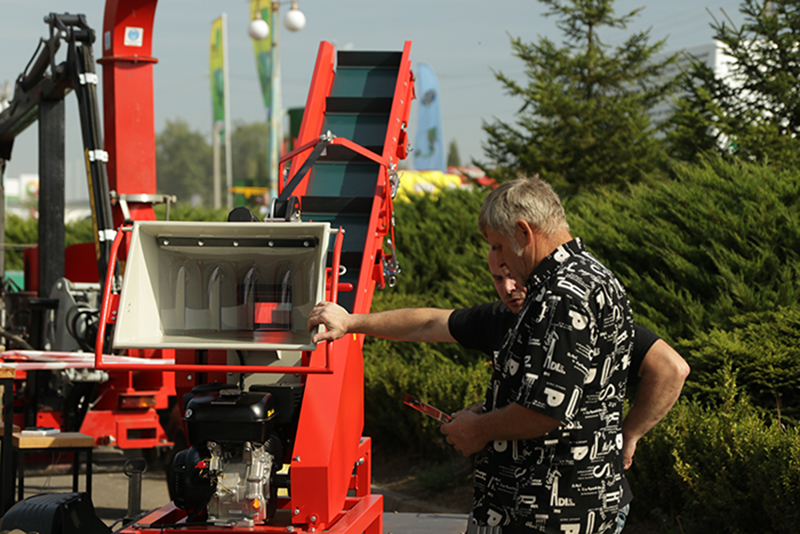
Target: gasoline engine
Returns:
[239, 441]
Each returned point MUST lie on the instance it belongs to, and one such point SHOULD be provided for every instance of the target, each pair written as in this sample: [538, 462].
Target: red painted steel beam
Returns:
[128, 110]
[314, 114]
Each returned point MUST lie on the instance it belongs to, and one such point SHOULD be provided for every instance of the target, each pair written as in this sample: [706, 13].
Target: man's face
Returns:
[506, 253]
[511, 293]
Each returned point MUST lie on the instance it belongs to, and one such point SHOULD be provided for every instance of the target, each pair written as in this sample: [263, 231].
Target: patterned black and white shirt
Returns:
[566, 357]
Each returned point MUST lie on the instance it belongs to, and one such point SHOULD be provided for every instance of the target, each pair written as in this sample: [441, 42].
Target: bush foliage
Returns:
[441, 257]
[763, 350]
[719, 240]
[719, 467]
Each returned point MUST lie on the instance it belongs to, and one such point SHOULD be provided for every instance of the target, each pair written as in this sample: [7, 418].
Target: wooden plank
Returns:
[6, 372]
[60, 440]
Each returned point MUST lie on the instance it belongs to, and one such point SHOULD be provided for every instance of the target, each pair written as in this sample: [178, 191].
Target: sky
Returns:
[464, 41]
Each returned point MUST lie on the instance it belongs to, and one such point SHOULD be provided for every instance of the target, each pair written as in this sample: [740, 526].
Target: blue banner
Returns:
[429, 145]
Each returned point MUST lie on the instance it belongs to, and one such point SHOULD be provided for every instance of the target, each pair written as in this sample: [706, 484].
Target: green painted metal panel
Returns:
[348, 180]
[365, 82]
[364, 129]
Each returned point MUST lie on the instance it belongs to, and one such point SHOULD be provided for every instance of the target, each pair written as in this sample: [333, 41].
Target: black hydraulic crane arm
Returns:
[76, 73]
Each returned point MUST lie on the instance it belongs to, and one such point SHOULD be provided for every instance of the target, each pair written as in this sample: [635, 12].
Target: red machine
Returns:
[343, 174]
[285, 453]
[56, 316]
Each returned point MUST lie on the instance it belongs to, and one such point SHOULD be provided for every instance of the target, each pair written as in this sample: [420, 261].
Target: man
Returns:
[661, 369]
[432, 325]
[549, 437]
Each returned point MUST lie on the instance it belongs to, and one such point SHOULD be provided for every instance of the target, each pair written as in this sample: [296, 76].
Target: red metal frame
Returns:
[128, 104]
[314, 115]
[328, 445]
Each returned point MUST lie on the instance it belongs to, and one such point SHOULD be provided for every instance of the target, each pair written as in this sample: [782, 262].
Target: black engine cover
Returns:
[229, 415]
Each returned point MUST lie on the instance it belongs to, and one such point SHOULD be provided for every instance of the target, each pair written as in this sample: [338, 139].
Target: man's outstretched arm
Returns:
[407, 324]
[662, 373]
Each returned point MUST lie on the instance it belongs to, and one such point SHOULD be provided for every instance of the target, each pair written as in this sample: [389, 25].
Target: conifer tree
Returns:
[183, 162]
[584, 115]
[453, 157]
[754, 112]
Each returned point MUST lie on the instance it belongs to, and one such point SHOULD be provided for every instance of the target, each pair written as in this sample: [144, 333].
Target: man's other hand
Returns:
[463, 432]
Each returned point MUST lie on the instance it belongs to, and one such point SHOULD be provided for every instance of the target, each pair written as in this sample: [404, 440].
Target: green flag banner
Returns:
[216, 64]
[262, 49]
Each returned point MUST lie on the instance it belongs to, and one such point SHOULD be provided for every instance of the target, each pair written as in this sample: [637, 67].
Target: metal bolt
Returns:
[188, 377]
[290, 529]
[200, 243]
[271, 243]
[166, 242]
[313, 518]
[235, 243]
[296, 511]
[296, 458]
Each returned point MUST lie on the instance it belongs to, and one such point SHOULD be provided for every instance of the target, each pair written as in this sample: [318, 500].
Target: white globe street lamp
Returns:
[258, 29]
[295, 19]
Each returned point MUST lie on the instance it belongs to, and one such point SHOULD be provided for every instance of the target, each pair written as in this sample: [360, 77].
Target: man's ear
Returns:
[523, 232]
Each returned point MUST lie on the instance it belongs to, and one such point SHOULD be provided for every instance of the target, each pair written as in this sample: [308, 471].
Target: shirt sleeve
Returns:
[481, 327]
[643, 339]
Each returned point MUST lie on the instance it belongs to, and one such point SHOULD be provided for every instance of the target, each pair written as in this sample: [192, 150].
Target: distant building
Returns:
[22, 196]
[712, 54]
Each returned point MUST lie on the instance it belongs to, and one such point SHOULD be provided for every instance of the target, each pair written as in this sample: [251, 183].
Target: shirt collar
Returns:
[553, 262]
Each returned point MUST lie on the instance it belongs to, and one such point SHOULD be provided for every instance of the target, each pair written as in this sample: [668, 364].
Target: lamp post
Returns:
[295, 20]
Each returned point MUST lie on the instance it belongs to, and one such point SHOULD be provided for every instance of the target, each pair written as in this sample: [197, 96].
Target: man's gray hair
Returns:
[528, 199]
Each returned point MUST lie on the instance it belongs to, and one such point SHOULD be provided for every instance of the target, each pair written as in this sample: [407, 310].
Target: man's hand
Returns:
[463, 432]
[628, 450]
[469, 432]
[477, 408]
[663, 373]
[335, 319]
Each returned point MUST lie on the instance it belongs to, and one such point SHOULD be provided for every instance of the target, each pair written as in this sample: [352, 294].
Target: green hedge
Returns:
[442, 257]
[710, 262]
[21, 231]
[431, 377]
[719, 240]
[718, 468]
[762, 350]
